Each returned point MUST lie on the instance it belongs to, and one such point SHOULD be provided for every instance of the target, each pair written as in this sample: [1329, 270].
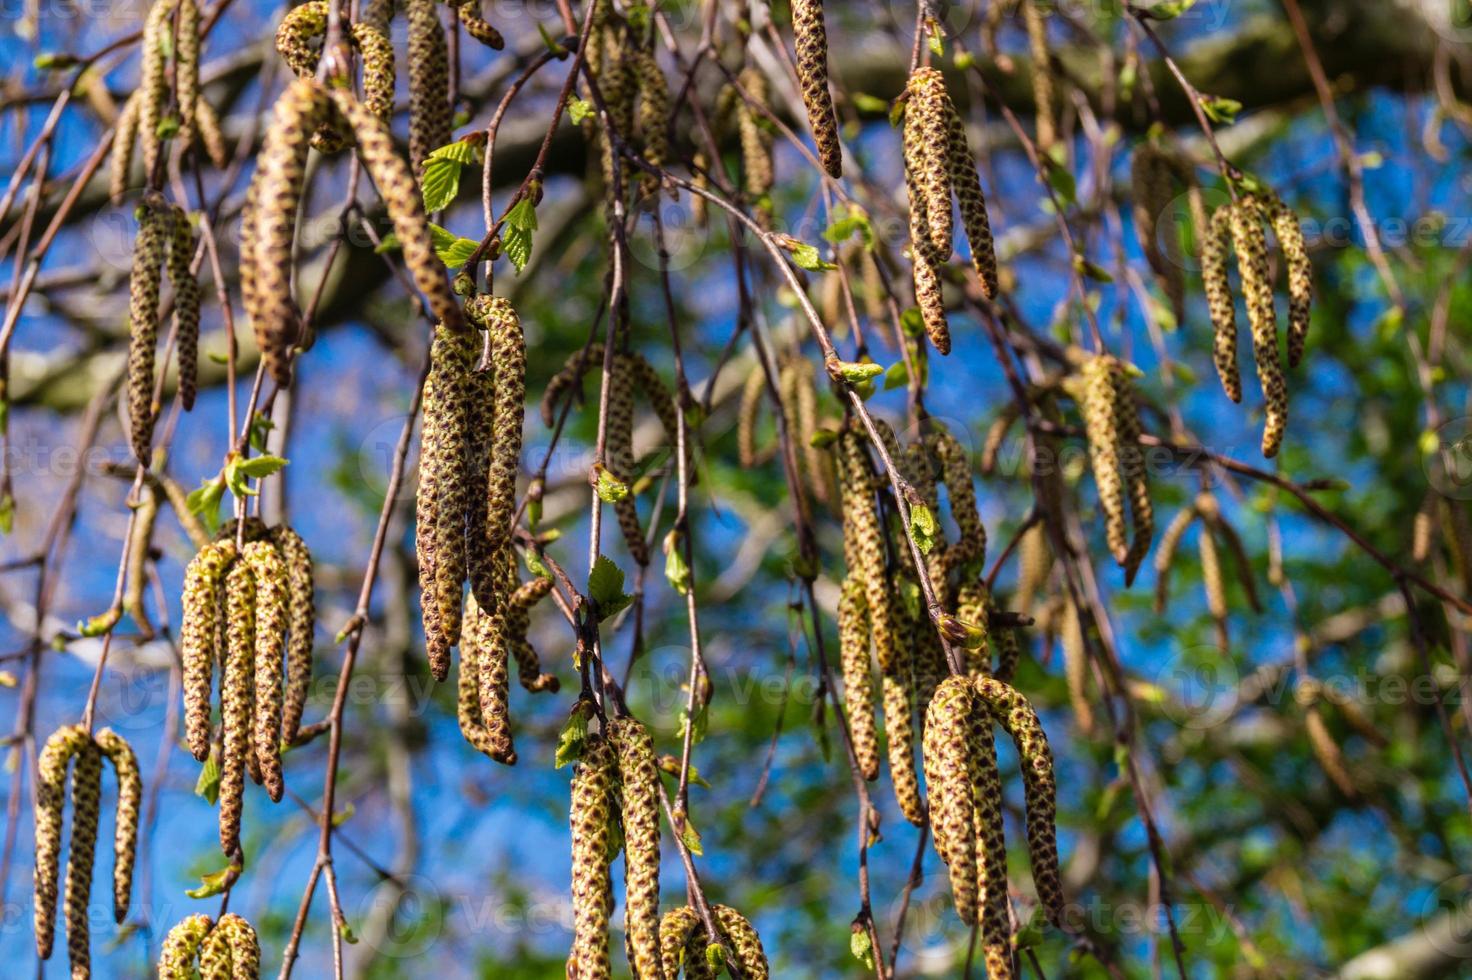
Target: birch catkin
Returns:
[493, 642]
[124, 762]
[203, 582]
[120, 163]
[751, 958]
[301, 616]
[639, 786]
[187, 296]
[947, 777]
[153, 83]
[619, 446]
[592, 891]
[50, 802]
[812, 74]
[269, 575]
[508, 365]
[86, 794]
[231, 950]
[1214, 241]
[429, 83]
[186, 69]
[1042, 74]
[925, 258]
[858, 678]
[1252, 265]
[1134, 469]
[235, 702]
[143, 296]
[1101, 423]
[181, 947]
[1300, 273]
[927, 133]
[994, 911]
[974, 221]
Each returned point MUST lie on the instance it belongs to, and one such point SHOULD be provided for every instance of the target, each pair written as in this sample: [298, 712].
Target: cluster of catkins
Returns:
[632, 375]
[78, 748]
[938, 165]
[965, 796]
[746, 116]
[200, 947]
[248, 605]
[144, 113]
[299, 40]
[1215, 531]
[165, 241]
[615, 799]
[274, 197]
[620, 57]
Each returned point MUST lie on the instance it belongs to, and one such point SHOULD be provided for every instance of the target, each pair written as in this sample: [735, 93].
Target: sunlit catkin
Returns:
[235, 701]
[752, 392]
[680, 945]
[301, 616]
[429, 82]
[50, 802]
[947, 778]
[858, 677]
[994, 907]
[153, 82]
[1215, 238]
[211, 134]
[1152, 189]
[653, 118]
[1101, 424]
[86, 795]
[592, 890]
[1133, 467]
[269, 573]
[1042, 74]
[186, 68]
[1300, 273]
[926, 138]
[974, 221]
[638, 773]
[1076, 666]
[1250, 243]
[755, 138]
[956, 474]
[203, 608]
[1034, 562]
[477, 26]
[231, 951]
[924, 258]
[181, 947]
[508, 365]
[1170, 543]
[493, 643]
[187, 296]
[812, 74]
[1040, 789]
[124, 762]
[143, 295]
[619, 458]
[751, 958]
[518, 615]
[120, 163]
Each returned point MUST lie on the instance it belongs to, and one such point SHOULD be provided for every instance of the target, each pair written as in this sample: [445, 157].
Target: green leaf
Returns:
[606, 588]
[579, 109]
[208, 783]
[523, 216]
[452, 250]
[535, 565]
[676, 569]
[822, 438]
[1060, 178]
[204, 502]
[913, 321]
[388, 243]
[691, 837]
[1220, 110]
[574, 734]
[344, 815]
[610, 488]
[857, 372]
[897, 376]
[806, 256]
[440, 183]
[516, 235]
[213, 883]
[7, 512]
[844, 228]
[346, 931]
[923, 527]
[260, 428]
[871, 104]
[551, 43]
[860, 945]
[261, 466]
[460, 151]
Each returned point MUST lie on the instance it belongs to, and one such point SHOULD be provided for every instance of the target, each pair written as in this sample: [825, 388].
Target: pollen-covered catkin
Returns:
[924, 259]
[468, 704]
[1214, 239]
[1170, 543]
[974, 221]
[125, 826]
[679, 945]
[508, 362]
[269, 573]
[1300, 273]
[235, 701]
[1151, 192]
[757, 172]
[751, 958]
[1076, 666]
[477, 26]
[994, 909]
[927, 138]
[231, 951]
[568, 379]
[619, 458]
[301, 618]
[187, 296]
[1034, 562]
[81, 855]
[1101, 421]
[378, 69]
[299, 36]
[50, 801]
[1211, 575]
[858, 677]
[211, 134]
[203, 581]
[1040, 788]
[1135, 472]
[153, 82]
[865, 537]
[961, 492]
[653, 118]
[429, 83]
[186, 69]
[1042, 74]
[528, 664]
[1250, 243]
[812, 74]
[752, 392]
[493, 643]
[120, 164]
[947, 778]
[181, 947]
[143, 294]
[639, 787]
[592, 890]
[441, 498]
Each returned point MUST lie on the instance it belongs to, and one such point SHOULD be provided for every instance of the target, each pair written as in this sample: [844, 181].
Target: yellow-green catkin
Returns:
[1134, 469]
[235, 702]
[477, 26]
[638, 772]
[493, 640]
[619, 456]
[518, 616]
[269, 574]
[231, 951]
[592, 889]
[203, 615]
[1042, 74]
[751, 958]
[1250, 243]
[429, 83]
[947, 778]
[994, 909]
[186, 69]
[752, 392]
[120, 163]
[1101, 424]
[927, 130]
[187, 296]
[143, 298]
[1034, 563]
[1300, 273]
[653, 119]
[1215, 238]
[955, 467]
[508, 367]
[81, 855]
[969, 197]
[858, 677]
[50, 802]
[301, 615]
[681, 945]
[757, 169]
[211, 134]
[124, 762]
[812, 73]
[153, 82]
[181, 947]
[1170, 543]
[1040, 789]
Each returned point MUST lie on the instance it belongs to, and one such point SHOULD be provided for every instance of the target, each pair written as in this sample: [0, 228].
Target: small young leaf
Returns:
[691, 837]
[897, 376]
[574, 734]
[857, 372]
[208, 783]
[923, 527]
[213, 883]
[606, 587]
[261, 466]
[461, 151]
[578, 110]
[676, 569]
[860, 945]
[388, 243]
[440, 184]
[452, 250]
[610, 488]
[1220, 110]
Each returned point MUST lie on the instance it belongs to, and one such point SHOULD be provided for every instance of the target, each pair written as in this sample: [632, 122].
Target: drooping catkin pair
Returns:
[684, 941]
[938, 164]
[252, 609]
[1106, 396]
[299, 40]
[269, 221]
[75, 746]
[165, 240]
[1240, 227]
[142, 115]
[966, 805]
[199, 947]
[469, 457]
[1216, 530]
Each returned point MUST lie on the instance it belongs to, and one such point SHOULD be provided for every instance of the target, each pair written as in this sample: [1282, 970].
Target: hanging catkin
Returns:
[638, 773]
[235, 701]
[203, 594]
[231, 950]
[477, 26]
[269, 574]
[211, 134]
[991, 846]
[518, 615]
[482, 685]
[508, 366]
[1215, 238]
[124, 762]
[756, 140]
[187, 296]
[592, 891]
[81, 854]
[947, 777]
[925, 169]
[50, 802]
[653, 118]
[181, 947]
[120, 164]
[153, 82]
[143, 295]
[1040, 789]
[1132, 465]
[752, 392]
[858, 678]
[1076, 666]
[1042, 74]
[619, 458]
[1300, 272]
[1101, 423]
[429, 83]
[493, 642]
[1034, 562]
[967, 184]
[928, 133]
[1250, 243]
[812, 74]
[186, 69]
[1151, 191]
[734, 927]
[1170, 543]
[681, 944]
[301, 618]
[955, 467]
